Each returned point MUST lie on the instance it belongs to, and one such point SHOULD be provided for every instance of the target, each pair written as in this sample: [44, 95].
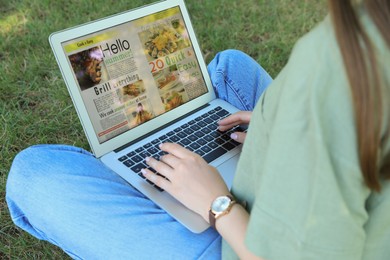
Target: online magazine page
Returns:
[131, 73]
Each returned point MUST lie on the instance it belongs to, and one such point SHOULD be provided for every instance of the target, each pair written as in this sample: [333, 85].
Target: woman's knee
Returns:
[227, 59]
[20, 171]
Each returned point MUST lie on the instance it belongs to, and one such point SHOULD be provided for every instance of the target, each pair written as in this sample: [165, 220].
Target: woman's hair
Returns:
[363, 75]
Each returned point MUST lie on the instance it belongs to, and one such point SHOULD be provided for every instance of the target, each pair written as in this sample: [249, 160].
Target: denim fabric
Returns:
[66, 196]
[238, 79]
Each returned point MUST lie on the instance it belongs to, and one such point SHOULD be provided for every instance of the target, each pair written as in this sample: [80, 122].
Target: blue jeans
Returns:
[66, 196]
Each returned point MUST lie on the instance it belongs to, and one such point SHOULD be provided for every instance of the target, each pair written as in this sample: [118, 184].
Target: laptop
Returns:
[138, 79]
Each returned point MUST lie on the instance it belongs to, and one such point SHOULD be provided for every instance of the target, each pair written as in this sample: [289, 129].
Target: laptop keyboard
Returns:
[199, 135]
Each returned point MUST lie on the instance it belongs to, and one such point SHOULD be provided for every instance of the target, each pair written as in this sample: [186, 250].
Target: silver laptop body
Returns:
[135, 78]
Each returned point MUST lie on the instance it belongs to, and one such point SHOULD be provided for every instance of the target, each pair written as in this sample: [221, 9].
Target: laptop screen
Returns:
[136, 71]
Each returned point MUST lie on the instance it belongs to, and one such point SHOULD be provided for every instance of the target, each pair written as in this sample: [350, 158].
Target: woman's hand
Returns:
[196, 184]
[242, 117]
[191, 180]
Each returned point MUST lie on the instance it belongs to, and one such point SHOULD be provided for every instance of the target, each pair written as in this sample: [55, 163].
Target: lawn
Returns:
[34, 103]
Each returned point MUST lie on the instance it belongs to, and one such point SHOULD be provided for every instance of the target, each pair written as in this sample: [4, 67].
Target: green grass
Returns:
[36, 108]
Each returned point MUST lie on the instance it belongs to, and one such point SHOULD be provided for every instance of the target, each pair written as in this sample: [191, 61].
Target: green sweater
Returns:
[299, 170]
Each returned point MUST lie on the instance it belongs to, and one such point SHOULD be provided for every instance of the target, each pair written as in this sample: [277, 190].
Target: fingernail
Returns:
[160, 145]
[234, 136]
[147, 159]
[143, 171]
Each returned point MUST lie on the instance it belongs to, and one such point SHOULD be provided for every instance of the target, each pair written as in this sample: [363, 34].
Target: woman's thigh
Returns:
[66, 196]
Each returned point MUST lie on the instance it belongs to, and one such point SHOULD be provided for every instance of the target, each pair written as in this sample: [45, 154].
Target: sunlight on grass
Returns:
[12, 21]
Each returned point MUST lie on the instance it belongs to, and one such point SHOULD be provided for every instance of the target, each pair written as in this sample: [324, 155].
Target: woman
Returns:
[313, 168]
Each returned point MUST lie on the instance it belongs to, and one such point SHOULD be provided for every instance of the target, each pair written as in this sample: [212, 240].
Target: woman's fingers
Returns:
[238, 137]
[241, 117]
[159, 166]
[157, 179]
[176, 150]
[170, 160]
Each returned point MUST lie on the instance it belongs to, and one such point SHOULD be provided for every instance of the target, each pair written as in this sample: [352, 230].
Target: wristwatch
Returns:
[220, 207]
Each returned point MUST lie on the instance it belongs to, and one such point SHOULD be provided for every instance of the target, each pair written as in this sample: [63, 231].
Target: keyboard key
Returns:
[199, 134]
[174, 139]
[193, 138]
[153, 150]
[206, 130]
[184, 142]
[208, 120]
[170, 133]
[208, 138]
[220, 141]
[162, 153]
[206, 149]
[156, 141]
[234, 143]
[201, 142]
[212, 145]
[121, 159]
[129, 163]
[215, 117]
[138, 167]
[144, 154]
[195, 127]
[222, 113]
[228, 146]
[195, 146]
[214, 154]
[131, 154]
[136, 158]
[188, 131]
[240, 129]
[148, 145]
[215, 134]
[163, 137]
[139, 150]
[201, 124]
[200, 152]
[181, 135]
[226, 137]
[213, 126]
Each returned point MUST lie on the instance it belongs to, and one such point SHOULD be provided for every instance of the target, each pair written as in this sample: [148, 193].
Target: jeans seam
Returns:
[231, 85]
[64, 147]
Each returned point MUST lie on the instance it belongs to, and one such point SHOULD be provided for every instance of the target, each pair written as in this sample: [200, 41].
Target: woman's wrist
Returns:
[236, 215]
[233, 227]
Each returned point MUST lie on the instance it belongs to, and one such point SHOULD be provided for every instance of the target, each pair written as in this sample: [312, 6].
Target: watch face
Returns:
[220, 204]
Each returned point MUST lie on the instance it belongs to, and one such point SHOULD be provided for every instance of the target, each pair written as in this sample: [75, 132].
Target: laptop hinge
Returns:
[159, 128]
